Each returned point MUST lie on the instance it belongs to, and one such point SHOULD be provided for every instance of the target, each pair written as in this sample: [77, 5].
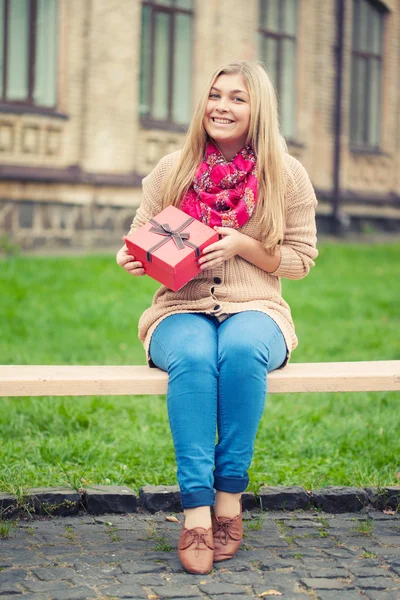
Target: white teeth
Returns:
[223, 121]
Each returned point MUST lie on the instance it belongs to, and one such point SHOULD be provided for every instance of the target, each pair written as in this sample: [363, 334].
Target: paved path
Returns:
[299, 555]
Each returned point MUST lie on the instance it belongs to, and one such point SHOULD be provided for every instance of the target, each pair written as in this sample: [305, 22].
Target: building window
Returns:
[28, 52]
[277, 51]
[368, 21]
[166, 62]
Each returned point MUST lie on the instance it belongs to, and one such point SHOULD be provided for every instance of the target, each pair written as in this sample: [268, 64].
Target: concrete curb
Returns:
[101, 499]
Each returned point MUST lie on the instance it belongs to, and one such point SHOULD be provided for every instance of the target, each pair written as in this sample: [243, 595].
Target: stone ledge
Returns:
[340, 499]
[153, 498]
[284, 498]
[54, 501]
[101, 499]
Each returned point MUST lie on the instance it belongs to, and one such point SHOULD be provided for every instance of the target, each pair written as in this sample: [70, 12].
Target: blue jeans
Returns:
[217, 379]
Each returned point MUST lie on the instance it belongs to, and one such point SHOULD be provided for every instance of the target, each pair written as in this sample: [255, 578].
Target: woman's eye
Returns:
[239, 99]
[213, 96]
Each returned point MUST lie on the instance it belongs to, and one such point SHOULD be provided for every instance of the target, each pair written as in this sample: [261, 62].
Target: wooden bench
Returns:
[16, 380]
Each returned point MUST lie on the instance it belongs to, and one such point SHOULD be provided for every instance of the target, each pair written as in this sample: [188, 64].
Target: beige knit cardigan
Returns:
[237, 285]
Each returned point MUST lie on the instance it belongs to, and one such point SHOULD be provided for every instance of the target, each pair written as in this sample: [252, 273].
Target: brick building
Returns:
[94, 92]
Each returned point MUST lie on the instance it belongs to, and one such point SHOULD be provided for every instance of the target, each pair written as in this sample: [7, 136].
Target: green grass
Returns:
[6, 528]
[84, 310]
[364, 527]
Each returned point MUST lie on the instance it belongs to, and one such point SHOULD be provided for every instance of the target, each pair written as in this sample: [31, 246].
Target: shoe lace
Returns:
[199, 538]
[222, 530]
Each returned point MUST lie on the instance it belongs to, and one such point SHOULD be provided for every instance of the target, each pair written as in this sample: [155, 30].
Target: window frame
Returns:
[27, 105]
[359, 56]
[280, 36]
[147, 121]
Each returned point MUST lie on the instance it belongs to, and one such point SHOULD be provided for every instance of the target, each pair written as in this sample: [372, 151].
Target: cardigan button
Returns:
[217, 280]
[217, 307]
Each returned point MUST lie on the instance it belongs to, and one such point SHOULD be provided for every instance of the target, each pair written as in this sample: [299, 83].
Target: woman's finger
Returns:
[224, 230]
[133, 265]
[215, 247]
[211, 264]
[137, 272]
[211, 256]
[124, 259]
[127, 253]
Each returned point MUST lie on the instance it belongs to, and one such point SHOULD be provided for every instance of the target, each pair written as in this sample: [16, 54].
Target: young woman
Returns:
[221, 334]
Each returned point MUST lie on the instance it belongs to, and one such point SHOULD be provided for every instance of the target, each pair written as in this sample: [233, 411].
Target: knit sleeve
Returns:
[298, 249]
[153, 186]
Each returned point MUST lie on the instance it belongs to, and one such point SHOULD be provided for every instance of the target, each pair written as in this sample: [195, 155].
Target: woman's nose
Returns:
[222, 104]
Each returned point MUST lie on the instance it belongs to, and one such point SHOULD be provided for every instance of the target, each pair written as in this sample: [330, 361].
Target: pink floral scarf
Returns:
[223, 193]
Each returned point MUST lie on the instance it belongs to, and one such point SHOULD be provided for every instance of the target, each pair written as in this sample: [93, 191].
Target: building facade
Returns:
[95, 92]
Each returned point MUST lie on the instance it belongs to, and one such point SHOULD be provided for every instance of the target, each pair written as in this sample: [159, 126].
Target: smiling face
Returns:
[227, 116]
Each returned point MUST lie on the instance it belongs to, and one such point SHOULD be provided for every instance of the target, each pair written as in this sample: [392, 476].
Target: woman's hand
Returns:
[230, 245]
[128, 262]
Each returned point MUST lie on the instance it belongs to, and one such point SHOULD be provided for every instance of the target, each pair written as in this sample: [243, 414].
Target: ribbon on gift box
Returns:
[181, 238]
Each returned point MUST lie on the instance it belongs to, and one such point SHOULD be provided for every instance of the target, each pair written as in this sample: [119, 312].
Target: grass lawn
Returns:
[84, 310]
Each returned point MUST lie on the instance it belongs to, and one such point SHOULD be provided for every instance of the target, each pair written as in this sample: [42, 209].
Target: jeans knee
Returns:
[194, 358]
[244, 352]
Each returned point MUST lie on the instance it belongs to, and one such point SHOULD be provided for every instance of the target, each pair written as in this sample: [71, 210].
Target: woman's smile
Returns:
[220, 121]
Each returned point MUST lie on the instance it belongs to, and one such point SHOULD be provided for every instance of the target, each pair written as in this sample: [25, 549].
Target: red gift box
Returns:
[169, 245]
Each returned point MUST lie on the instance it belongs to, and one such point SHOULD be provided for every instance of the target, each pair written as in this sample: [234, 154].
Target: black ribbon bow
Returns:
[181, 238]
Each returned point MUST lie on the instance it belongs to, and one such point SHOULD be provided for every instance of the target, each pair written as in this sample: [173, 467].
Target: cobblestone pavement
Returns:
[292, 555]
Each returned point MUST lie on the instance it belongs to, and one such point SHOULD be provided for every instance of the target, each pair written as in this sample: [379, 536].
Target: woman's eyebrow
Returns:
[232, 91]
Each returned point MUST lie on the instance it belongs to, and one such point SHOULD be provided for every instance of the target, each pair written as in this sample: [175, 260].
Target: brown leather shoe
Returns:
[228, 533]
[196, 549]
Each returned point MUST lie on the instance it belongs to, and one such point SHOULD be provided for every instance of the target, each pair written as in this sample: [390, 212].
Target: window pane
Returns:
[18, 50]
[290, 16]
[260, 46]
[287, 96]
[1, 45]
[161, 66]
[355, 24]
[376, 32]
[45, 89]
[145, 66]
[271, 15]
[358, 112]
[262, 13]
[188, 4]
[181, 107]
[164, 2]
[354, 99]
[270, 59]
[374, 102]
[362, 17]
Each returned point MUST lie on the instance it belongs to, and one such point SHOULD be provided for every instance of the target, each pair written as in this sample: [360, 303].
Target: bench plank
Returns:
[66, 380]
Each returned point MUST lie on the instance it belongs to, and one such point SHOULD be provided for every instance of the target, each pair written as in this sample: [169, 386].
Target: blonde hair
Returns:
[265, 138]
